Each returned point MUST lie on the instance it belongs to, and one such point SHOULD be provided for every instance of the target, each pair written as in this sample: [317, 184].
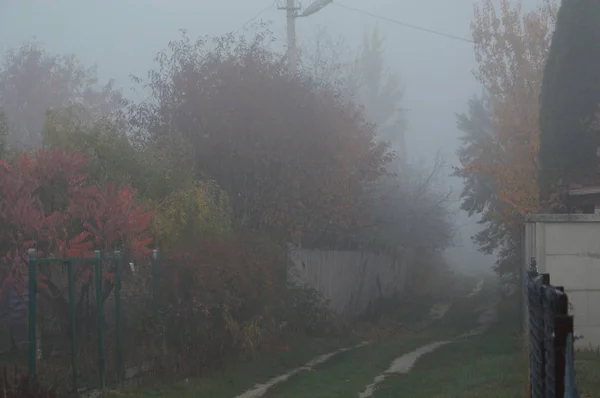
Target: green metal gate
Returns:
[98, 260]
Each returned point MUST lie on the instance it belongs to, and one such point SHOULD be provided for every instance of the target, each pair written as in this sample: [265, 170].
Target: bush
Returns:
[198, 212]
[226, 298]
[305, 311]
[18, 385]
[218, 299]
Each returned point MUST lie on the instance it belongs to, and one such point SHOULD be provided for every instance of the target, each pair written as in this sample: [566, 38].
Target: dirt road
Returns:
[359, 371]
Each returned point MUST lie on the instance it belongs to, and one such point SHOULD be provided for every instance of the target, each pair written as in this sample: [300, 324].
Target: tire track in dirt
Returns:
[402, 364]
[405, 363]
[436, 312]
[260, 389]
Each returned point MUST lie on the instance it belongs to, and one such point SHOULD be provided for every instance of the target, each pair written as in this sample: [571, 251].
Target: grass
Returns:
[587, 371]
[349, 373]
[242, 375]
[345, 374]
[491, 365]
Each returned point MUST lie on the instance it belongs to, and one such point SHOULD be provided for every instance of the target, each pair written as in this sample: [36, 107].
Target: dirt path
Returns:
[401, 365]
[260, 389]
[436, 312]
[404, 363]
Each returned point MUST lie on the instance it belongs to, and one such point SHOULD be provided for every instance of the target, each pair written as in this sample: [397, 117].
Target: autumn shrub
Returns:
[49, 203]
[17, 385]
[305, 311]
[200, 211]
[224, 298]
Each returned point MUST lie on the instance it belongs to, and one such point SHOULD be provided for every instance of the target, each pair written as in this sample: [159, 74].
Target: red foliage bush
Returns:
[49, 203]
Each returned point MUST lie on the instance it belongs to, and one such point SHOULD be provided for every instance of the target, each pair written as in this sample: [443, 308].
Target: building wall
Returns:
[568, 248]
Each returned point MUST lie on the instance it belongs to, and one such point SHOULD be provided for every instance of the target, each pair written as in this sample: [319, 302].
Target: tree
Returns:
[410, 210]
[570, 97]
[364, 78]
[380, 90]
[3, 133]
[187, 216]
[186, 210]
[501, 142]
[33, 81]
[328, 61]
[294, 157]
[479, 195]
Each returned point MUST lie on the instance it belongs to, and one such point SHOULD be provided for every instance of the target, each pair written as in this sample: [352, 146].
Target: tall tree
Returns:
[479, 191]
[411, 208]
[3, 133]
[293, 156]
[570, 97]
[380, 89]
[500, 166]
[32, 81]
[364, 78]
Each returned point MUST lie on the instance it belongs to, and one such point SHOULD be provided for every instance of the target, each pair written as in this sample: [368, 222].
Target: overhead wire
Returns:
[258, 14]
[406, 25]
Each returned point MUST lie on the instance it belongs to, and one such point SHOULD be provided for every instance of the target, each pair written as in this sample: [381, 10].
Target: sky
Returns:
[123, 36]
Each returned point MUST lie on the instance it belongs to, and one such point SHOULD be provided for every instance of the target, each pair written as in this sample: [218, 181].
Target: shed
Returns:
[567, 246]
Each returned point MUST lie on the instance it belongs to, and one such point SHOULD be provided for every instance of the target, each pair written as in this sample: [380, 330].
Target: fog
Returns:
[122, 38]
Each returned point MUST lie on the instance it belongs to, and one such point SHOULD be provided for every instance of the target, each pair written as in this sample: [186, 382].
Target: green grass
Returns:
[242, 375]
[587, 371]
[347, 373]
[491, 365]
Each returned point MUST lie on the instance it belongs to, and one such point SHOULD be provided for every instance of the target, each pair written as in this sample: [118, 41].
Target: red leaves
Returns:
[48, 203]
[78, 246]
[112, 217]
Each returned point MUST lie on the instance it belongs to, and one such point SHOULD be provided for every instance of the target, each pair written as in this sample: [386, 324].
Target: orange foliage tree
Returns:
[511, 48]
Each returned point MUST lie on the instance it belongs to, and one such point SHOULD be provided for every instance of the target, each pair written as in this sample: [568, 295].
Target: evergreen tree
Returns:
[381, 91]
[570, 96]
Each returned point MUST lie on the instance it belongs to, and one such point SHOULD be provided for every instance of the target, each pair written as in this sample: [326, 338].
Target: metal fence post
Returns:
[32, 291]
[563, 326]
[71, 287]
[571, 390]
[119, 348]
[100, 315]
[537, 284]
[155, 283]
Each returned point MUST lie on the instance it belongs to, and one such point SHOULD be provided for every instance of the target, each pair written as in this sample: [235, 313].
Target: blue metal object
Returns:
[570, 382]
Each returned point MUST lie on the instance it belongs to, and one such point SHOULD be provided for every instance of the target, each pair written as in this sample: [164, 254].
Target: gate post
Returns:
[563, 326]
[32, 291]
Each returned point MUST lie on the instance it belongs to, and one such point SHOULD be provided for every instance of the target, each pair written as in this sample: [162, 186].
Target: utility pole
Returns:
[291, 10]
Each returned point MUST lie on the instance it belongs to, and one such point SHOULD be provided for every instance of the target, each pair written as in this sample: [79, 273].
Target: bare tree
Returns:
[32, 81]
[412, 207]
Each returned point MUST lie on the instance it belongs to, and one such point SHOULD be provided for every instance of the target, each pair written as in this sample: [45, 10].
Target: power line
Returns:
[258, 14]
[407, 25]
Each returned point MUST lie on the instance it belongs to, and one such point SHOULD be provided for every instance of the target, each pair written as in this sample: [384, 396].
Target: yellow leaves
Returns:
[193, 213]
[511, 49]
